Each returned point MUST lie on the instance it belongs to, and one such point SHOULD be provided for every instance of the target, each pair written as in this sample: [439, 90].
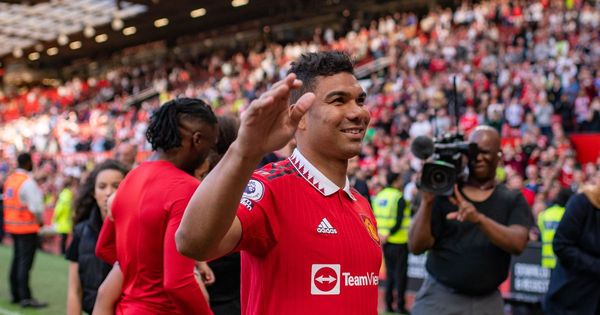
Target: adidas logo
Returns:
[325, 227]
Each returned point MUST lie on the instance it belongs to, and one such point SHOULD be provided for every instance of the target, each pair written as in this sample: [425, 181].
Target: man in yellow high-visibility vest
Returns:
[548, 222]
[392, 213]
[62, 218]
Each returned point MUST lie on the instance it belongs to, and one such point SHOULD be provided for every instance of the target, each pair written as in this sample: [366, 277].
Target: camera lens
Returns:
[439, 179]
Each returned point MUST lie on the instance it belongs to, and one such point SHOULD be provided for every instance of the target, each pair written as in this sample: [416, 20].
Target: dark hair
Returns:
[391, 178]
[312, 65]
[228, 129]
[163, 130]
[24, 160]
[563, 197]
[68, 182]
[85, 202]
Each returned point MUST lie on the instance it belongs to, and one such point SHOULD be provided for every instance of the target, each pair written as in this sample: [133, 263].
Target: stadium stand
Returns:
[530, 69]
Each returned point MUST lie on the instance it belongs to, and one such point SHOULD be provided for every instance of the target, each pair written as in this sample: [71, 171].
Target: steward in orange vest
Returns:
[23, 207]
[18, 218]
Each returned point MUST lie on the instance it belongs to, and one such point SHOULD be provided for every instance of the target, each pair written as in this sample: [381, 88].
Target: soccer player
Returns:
[147, 209]
[308, 241]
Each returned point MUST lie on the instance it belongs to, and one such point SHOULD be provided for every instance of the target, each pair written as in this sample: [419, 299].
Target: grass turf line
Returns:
[48, 283]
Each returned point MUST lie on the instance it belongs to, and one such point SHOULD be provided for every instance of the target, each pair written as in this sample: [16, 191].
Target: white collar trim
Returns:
[314, 177]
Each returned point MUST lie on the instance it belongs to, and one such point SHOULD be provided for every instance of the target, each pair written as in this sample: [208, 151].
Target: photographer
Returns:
[470, 237]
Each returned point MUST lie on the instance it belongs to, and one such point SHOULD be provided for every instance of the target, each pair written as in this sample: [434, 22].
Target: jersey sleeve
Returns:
[365, 206]
[106, 248]
[178, 270]
[257, 214]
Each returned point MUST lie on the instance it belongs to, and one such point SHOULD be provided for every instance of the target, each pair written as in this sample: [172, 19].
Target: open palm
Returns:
[270, 122]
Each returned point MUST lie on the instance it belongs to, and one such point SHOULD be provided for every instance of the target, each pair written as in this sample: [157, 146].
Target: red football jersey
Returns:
[307, 245]
[147, 211]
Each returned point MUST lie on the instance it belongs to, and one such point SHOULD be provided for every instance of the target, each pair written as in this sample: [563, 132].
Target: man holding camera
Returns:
[470, 237]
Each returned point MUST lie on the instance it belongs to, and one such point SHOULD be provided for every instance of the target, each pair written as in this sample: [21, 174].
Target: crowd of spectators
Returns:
[530, 69]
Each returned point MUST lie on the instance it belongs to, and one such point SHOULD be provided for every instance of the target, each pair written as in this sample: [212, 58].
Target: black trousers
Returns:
[63, 243]
[396, 262]
[226, 308]
[24, 248]
[1, 222]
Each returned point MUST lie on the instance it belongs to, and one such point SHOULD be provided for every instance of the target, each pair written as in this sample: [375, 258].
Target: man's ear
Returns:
[302, 122]
[196, 138]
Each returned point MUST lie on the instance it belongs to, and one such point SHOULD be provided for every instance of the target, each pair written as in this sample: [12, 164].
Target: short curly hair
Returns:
[312, 65]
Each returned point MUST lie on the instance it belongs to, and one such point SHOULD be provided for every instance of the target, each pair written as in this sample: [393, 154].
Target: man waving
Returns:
[308, 241]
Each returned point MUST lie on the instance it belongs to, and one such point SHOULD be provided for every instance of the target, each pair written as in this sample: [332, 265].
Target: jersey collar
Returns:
[314, 177]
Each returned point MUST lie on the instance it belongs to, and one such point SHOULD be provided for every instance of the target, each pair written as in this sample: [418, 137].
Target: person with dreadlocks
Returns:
[148, 207]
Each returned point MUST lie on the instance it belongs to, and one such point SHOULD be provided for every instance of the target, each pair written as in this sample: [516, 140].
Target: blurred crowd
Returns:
[530, 69]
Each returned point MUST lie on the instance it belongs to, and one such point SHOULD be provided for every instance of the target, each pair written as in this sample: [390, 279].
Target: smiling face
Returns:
[336, 123]
[483, 168]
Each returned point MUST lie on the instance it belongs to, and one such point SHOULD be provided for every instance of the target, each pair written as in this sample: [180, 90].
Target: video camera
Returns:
[447, 168]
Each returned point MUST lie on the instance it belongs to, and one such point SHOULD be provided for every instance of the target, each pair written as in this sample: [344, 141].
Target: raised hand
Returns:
[466, 210]
[270, 122]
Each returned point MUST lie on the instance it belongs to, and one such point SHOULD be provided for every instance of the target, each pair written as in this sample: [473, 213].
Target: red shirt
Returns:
[468, 122]
[529, 196]
[307, 245]
[147, 211]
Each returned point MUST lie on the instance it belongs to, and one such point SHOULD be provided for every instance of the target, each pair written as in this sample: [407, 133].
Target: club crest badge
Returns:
[371, 229]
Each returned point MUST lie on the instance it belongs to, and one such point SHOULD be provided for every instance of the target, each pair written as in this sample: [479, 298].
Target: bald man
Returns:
[126, 153]
[470, 237]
